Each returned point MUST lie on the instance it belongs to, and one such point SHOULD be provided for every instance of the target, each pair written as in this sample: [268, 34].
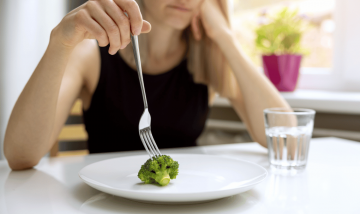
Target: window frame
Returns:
[345, 73]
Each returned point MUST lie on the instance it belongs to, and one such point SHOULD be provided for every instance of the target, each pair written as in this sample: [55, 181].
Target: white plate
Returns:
[201, 178]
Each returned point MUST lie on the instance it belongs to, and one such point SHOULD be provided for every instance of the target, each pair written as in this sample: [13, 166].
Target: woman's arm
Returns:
[257, 93]
[44, 103]
[31, 123]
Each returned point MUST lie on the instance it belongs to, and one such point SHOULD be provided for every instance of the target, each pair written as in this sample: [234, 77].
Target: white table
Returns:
[330, 184]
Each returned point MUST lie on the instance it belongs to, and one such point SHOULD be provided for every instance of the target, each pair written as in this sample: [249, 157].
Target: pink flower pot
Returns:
[282, 70]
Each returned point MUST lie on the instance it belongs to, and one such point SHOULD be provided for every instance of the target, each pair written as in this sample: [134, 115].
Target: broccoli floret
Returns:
[159, 170]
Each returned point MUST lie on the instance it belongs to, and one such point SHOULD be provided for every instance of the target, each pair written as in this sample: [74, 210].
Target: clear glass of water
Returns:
[288, 133]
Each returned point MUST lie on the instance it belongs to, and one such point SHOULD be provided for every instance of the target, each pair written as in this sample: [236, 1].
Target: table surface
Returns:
[330, 184]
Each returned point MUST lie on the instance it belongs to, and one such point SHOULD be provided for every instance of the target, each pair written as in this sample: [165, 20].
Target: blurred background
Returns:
[329, 79]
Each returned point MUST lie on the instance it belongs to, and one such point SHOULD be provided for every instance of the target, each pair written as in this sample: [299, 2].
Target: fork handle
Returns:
[135, 45]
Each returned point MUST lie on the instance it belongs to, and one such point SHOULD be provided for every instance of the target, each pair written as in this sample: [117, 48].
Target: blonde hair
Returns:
[206, 61]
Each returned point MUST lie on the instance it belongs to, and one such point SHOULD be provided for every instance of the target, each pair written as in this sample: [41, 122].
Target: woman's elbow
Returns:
[18, 161]
[261, 139]
[21, 165]
[262, 143]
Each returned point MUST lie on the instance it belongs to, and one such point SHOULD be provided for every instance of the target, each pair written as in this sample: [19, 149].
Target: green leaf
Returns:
[282, 35]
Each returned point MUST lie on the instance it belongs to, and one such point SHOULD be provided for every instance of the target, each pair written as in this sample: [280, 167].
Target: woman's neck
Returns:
[166, 47]
[164, 41]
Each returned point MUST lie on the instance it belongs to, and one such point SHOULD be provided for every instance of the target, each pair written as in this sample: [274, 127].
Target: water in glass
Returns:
[288, 134]
[288, 146]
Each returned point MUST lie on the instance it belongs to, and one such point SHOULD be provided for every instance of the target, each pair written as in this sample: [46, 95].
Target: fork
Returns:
[145, 121]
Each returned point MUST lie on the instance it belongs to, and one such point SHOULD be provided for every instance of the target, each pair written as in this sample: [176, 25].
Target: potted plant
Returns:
[279, 41]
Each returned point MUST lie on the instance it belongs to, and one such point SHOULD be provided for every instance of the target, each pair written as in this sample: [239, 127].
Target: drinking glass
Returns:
[288, 134]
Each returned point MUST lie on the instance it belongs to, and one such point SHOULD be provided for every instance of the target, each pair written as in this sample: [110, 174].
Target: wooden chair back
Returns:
[71, 132]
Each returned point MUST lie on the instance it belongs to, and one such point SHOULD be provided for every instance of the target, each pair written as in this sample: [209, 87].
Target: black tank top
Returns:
[178, 107]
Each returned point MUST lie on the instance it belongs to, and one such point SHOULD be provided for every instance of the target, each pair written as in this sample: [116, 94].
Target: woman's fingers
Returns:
[83, 19]
[112, 30]
[133, 10]
[146, 27]
[195, 27]
[105, 20]
[121, 20]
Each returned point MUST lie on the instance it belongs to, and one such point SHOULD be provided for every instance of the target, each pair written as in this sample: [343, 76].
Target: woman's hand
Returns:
[213, 20]
[103, 20]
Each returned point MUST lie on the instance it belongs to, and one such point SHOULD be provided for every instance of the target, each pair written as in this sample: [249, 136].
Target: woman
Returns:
[189, 54]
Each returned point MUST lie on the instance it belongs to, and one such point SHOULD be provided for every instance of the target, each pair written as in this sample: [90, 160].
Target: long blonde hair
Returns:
[206, 61]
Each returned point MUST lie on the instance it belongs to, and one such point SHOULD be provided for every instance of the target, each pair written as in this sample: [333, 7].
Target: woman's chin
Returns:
[177, 24]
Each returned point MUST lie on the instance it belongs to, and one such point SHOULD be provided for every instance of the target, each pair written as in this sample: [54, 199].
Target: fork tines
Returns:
[149, 142]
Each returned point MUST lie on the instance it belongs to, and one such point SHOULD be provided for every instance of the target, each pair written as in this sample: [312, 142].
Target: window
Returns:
[331, 39]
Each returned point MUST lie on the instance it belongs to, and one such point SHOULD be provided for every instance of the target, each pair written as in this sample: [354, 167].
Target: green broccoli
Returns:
[159, 170]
